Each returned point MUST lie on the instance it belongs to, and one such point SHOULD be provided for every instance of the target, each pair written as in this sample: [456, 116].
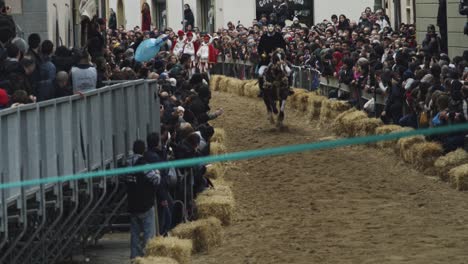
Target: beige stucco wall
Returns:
[426, 14]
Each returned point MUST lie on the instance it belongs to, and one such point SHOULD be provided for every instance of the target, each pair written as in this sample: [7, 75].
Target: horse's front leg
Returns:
[281, 113]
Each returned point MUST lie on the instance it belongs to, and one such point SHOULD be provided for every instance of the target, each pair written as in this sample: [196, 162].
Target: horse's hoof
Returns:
[279, 124]
[281, 117]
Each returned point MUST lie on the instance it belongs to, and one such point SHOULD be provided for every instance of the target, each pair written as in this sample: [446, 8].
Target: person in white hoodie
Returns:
[189, 49]
[179, 45]
[203, 54]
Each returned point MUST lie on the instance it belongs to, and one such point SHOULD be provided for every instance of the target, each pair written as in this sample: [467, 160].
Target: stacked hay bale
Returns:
[214, 82]
[171, 247]
[403, 145]
[223, 84]
[330, 109]
[251, 89]
[417, 151]
[153, 260]
[342, 125]
[217, 202]
[459, 177]
[204, 233]
[389, 129]
[424, 154]
[235, 86]
[444, 164]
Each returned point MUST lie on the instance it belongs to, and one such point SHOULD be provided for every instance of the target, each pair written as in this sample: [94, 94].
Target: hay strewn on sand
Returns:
[215, 171]
[217, 148]
[331, 109]
[219, 136]
[388, 129]
[459, 177]
[424, 154]
[155, 260]
[172, 247]
[404, 144]
[205, 234]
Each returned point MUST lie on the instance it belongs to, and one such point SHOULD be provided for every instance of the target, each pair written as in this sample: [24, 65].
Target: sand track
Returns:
[349, 205]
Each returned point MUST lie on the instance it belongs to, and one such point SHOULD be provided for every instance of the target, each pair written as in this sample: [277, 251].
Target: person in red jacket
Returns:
[145, 17]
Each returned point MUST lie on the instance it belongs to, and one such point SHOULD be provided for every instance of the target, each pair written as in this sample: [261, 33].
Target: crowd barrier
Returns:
[76, 134]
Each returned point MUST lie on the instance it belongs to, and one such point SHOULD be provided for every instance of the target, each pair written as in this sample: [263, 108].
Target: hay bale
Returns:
[366, 126]
[215, 171]
[404, 144]
[251, 89]
[343, 123]
[214, 82]
[218, 206]
[217, 148]
[221, 188]
[172, 247]
[235, 86]
[424, 154]
[330, 109]
[445, 163]
[297, 98]
[223, 84]
[205, 234]
[459, 177]
[219, 136]
[315, 103]
[388, 129]
[155, 260]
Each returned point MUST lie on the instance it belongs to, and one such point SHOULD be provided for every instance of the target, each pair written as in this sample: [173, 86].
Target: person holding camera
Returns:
[432, 43]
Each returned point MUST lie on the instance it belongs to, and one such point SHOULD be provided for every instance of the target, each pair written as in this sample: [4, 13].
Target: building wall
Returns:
[426, 14]
[407, 11]
[63, 13]
[457, 41]
[352, 9]
[31, 16]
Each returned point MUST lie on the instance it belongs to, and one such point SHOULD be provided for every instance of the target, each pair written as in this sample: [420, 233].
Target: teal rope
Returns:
[242, 155]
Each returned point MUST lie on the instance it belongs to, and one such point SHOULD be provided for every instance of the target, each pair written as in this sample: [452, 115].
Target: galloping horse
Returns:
[276, 87]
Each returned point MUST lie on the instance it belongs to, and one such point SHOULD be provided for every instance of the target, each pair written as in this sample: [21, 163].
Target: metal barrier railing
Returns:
[80, 133]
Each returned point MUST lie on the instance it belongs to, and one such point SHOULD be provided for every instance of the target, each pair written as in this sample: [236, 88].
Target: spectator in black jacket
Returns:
[34, 42]
[395, 100]
[141, 188]
[156, 154]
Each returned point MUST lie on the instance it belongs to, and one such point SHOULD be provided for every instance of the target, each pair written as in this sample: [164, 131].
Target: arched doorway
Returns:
[120, 14]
